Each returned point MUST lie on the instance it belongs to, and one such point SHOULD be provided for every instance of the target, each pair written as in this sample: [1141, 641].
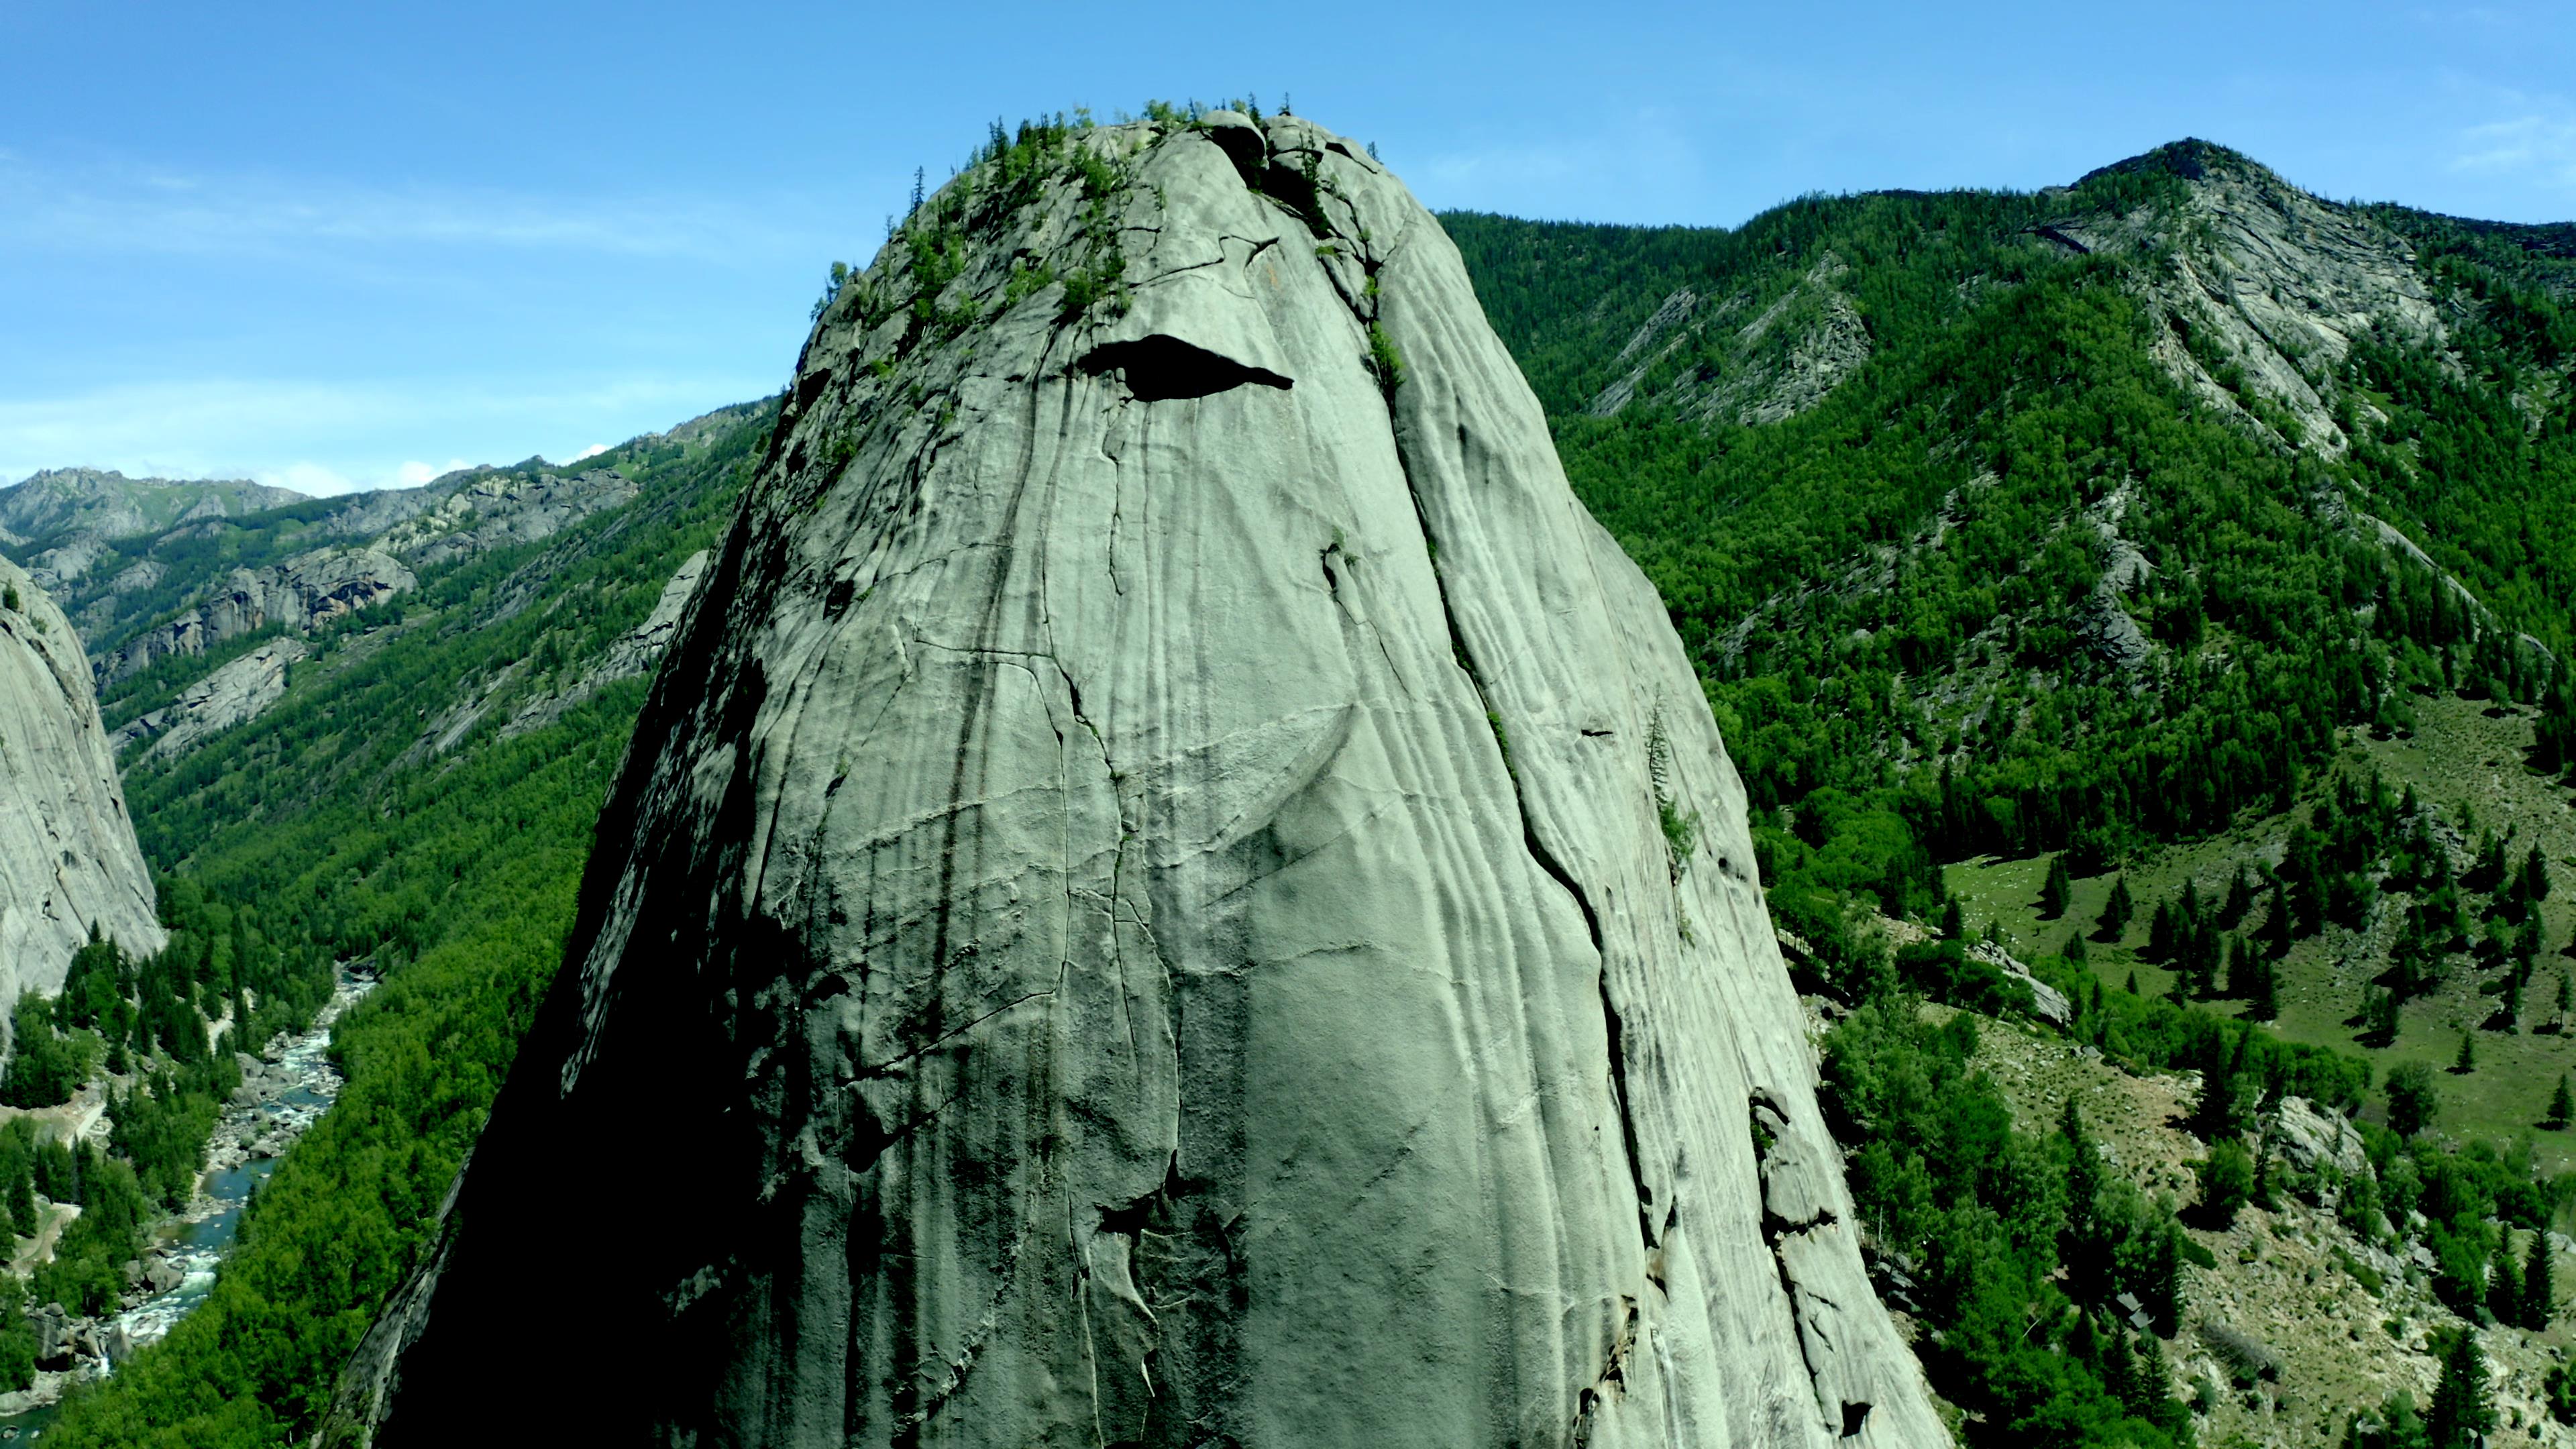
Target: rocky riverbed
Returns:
[285, 1090]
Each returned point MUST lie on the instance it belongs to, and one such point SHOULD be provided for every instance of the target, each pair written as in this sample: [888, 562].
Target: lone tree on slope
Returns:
[2411, 1104]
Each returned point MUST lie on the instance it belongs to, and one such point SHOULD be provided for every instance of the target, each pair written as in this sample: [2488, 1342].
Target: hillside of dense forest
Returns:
[415, 804]
[2143, 601]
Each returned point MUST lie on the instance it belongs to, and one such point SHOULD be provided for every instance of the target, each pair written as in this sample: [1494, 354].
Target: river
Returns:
[243, 1152]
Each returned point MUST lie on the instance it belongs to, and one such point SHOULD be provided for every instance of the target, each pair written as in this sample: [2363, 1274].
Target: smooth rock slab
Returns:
[1144, 887]
[68, 858]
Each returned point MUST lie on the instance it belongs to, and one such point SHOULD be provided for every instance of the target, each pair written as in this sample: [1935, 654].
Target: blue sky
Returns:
[341, 245]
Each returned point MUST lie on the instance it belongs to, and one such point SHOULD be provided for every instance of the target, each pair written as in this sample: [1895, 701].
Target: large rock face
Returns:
[68, 860]
[303, 594]
[1174, 889]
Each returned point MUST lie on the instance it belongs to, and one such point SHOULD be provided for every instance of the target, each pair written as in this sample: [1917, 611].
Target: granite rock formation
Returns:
[1174, 888]
[300, 594]
[236, 692]
[68, 861]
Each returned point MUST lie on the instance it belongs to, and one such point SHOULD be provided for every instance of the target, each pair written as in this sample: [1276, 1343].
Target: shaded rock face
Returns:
[1174, 889]
[68, 860]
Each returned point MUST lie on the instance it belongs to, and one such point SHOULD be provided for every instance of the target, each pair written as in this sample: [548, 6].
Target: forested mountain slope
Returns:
[417, 798]
[2086, 550]
[2163, 580]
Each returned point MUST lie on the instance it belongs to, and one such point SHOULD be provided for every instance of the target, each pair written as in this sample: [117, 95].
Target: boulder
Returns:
[2308, 1138]
[2046, 1002]
[53, 1336]
[1182, 891]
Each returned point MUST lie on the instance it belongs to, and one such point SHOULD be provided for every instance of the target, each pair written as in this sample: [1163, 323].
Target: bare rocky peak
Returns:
[2263, 288]
[107, 504]
[68, 859]
[1178, 889]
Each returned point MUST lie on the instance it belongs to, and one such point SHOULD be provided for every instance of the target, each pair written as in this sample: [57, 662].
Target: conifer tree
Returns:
[2162, 1292]
[2215, 1115]
[2278, 932]
[2117, 910]
[2461, 1410]
[2504, 1281]
[2539, 1293]
[2054, 890]
[2562, 1104]
[22, 1196]
[2133, 983]
[2535, 877]
[2467, 1061]
[2240, 963]
[2240, 897]
[2411, 1103]
[2267, 994]
[2084, 1247]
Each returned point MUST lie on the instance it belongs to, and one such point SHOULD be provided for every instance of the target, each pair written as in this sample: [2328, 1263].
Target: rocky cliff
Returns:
[301, 594]
[1177, 889]
[68, 861]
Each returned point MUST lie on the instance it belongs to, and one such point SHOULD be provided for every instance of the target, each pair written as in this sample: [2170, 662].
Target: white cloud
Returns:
[2533, 145]
[311, 479]
[412, 475]
[2534, 141]
[129, 209]
[330, 437]
[593, 451]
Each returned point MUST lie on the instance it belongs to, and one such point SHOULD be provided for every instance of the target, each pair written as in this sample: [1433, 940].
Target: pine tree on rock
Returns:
[2462, 1412]
[2504, 1281]
[2539, 1292]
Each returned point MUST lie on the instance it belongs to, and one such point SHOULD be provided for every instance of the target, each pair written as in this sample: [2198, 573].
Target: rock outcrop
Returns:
[1180, 891]
[492, 509]
[235, 693]
[68, 860]
[300, 594]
